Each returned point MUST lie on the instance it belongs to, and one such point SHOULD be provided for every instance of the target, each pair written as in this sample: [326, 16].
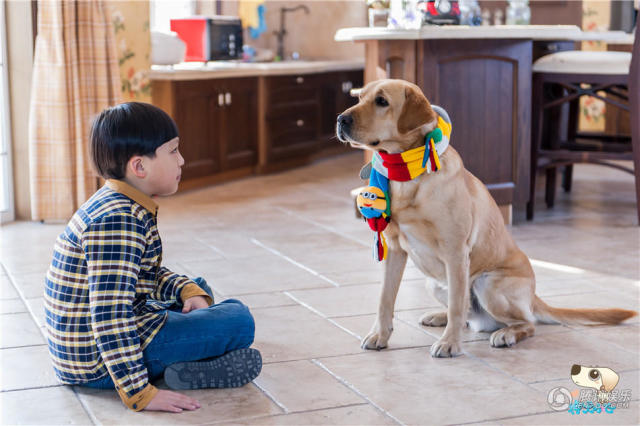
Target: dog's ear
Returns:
[416, 111]
[609, 379]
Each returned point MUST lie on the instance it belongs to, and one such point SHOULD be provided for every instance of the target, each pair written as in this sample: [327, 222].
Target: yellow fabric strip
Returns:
[191, 290]
[135, 194]
[140, 400]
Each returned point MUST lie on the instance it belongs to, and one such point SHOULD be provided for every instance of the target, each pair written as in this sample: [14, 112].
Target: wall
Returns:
[20, 62]
[311, 35]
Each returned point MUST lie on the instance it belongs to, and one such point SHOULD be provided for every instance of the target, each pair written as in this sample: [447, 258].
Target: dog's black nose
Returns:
[345, 120]
[575, 369]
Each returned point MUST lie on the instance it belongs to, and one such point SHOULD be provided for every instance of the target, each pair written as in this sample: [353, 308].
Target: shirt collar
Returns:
[135, 194]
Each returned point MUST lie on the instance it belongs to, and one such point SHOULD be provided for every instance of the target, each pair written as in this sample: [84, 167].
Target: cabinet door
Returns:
[238, 133]
[336, 98]
[195, 115]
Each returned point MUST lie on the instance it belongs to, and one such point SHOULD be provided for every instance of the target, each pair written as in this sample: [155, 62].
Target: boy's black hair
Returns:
[120, 132]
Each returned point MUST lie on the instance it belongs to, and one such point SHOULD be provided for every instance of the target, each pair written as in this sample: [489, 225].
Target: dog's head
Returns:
[391, 116]
[600, 378]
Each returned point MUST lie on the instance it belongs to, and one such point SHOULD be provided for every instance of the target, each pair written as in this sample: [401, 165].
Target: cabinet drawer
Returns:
[291, 89]
[292, 126]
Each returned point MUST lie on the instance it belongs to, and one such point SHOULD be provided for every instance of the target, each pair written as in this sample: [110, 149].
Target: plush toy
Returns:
[374, 201]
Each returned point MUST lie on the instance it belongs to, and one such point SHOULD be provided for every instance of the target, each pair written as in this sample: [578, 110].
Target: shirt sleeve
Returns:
[174, 287]
[113, 249]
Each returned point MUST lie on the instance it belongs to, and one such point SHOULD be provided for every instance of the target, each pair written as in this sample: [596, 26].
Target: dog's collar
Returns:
[410, 164]
[399, 167]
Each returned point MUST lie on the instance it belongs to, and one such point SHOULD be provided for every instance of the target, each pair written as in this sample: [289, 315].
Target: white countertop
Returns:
[222, 69]
[534, 32]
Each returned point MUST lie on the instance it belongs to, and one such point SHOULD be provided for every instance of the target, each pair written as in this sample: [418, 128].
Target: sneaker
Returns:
[231, 370]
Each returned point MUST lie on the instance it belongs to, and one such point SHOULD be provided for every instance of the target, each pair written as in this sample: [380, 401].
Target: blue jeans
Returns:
[199, 334]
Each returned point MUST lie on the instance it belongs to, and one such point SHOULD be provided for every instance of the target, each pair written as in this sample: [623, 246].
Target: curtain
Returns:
[75, 76]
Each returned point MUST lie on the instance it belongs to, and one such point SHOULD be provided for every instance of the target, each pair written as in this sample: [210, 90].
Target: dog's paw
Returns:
[446, 349]
[439, 319]
[375, 340]
[503, 338]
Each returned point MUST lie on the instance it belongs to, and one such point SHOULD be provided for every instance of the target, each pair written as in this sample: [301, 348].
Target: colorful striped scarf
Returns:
[374, 201]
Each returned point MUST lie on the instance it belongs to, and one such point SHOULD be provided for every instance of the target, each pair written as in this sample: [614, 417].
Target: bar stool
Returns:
[560, 78]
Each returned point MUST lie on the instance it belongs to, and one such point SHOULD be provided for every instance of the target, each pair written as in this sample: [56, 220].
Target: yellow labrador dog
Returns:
[452, 229]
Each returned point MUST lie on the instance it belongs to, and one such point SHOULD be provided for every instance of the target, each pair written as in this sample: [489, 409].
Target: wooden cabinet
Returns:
[216, 120]
[231, 127]
[300, 113]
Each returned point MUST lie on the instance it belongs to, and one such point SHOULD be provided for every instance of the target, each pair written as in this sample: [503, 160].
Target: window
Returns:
[164, 10]
[6, 177]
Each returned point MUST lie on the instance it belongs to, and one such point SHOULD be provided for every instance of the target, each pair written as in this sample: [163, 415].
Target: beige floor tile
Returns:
[364, 299]
[362, 414]
[263, 300]
[19, 330]
[46, 406]
[12, 306]
[30, 285]
[36, 307]
[417, 389]
[404, 335]
[28, 367]
[626, 336]
[254, 275]
[550, 356]
[7, 291]
[221, 405]
[304, 386]
[295, 333]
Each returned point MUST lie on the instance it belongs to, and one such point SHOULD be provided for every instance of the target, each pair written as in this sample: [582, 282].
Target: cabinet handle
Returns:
[300, 123]
[300, 80]
[227, 98]
[220, 99]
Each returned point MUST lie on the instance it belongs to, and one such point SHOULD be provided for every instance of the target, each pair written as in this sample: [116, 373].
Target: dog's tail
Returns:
[548, 314]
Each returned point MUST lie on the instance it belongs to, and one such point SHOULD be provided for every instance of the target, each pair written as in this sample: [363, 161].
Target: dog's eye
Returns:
[594, 374]
[380, 101]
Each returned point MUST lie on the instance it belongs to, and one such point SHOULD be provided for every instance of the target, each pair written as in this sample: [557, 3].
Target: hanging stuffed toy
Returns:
[374, 201]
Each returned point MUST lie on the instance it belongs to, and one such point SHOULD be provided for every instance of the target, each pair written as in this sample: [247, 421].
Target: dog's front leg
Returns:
[457, 270]
[393, 269]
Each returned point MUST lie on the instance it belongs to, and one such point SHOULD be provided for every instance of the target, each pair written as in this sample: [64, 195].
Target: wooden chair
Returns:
[559, 79]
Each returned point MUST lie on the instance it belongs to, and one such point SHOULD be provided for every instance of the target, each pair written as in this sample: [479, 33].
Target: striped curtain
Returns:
[75, 76]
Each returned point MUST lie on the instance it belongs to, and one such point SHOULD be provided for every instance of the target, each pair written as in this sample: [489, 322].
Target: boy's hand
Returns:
[172, 402]
[193, 303]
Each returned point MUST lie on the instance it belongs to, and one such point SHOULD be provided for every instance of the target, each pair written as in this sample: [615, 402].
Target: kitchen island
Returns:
[482, 77]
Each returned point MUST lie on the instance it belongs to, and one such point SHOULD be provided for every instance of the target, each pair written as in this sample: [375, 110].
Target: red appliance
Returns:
[194, 32]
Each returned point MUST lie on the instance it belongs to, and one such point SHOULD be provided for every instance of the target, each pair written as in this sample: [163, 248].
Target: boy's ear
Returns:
[136, 167]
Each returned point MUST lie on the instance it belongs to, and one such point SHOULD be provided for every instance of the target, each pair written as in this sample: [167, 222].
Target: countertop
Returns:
[534, 32]
[225, 69]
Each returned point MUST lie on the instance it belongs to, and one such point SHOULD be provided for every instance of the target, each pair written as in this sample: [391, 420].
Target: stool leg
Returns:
[550, 189]
[567, 175]
[537, 115]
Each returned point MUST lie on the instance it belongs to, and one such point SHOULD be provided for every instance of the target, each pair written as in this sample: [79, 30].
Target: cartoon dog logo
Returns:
[602, 379]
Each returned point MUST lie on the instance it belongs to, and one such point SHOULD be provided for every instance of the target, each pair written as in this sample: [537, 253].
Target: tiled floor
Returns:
[288, 245]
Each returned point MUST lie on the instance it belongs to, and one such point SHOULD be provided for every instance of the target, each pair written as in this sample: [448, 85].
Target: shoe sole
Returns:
[231, 370]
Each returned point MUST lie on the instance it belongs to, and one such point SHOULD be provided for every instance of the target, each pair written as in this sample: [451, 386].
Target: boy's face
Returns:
[164, 170]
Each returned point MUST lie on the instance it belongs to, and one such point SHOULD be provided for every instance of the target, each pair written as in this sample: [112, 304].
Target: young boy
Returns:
[115, 317]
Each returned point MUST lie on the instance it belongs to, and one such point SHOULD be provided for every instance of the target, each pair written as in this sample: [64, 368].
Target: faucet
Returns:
[282, 32]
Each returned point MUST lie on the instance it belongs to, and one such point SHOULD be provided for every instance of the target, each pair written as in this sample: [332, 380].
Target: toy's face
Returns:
[371, 201]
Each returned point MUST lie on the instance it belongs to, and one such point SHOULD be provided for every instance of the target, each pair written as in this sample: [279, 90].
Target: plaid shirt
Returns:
[106, 293]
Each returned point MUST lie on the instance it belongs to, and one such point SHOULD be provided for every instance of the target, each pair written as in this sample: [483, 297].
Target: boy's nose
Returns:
[180, 160]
